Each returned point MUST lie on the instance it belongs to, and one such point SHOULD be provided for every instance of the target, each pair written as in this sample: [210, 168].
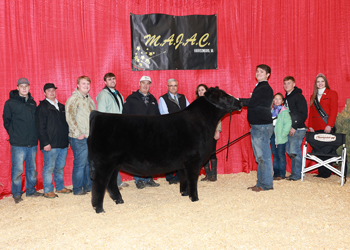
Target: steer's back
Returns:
[148, 139]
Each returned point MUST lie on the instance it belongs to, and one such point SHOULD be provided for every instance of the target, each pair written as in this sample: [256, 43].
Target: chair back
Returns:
[324, 144]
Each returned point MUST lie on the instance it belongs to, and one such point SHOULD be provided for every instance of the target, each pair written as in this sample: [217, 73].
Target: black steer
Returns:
[149, 145]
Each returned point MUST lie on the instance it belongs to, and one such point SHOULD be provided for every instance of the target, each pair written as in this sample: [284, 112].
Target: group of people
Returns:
[59, 126]
[282, 128]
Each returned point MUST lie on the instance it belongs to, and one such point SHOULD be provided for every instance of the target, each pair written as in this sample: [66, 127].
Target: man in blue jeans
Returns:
[19, 122]
[52, 128]
[297, 105]
[260, 119]
[78, 108]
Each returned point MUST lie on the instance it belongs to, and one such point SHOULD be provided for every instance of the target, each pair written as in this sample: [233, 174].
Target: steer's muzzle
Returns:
[237, 105]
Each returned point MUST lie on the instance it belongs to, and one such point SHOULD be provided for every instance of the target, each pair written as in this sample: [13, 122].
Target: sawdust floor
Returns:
[314, 214]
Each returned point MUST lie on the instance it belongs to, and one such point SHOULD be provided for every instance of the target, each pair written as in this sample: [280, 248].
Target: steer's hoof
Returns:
[119, 201]
[194, 199]
[184, 193]
[99, 210]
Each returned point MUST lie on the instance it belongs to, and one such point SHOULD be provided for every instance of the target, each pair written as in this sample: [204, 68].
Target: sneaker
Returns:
[35, 194]
[124, 184]
[140, 184]
[151, 183]
[18, 199]
[64, 191]
[171, 182]
[50, 195]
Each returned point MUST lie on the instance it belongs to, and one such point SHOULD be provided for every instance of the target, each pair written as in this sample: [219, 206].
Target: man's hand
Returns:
[292, 132]
[217, 135]
[311, 130]
[82, 136]
[47, 148]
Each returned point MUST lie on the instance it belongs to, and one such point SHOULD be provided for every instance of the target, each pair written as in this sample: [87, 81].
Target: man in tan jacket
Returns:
[78, 108]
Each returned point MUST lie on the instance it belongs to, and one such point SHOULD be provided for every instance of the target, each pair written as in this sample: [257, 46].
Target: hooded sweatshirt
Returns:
[297, 105]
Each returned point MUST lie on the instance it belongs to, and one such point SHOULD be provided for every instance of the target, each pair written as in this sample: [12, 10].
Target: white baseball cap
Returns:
[145, 78]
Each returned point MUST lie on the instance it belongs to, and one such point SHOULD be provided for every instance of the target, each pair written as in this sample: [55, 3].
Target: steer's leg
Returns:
[99, 185]
[192, 176]
[183, 182]
[113, 189]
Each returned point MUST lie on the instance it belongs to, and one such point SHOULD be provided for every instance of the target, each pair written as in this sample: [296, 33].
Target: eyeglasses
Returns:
[172, 86]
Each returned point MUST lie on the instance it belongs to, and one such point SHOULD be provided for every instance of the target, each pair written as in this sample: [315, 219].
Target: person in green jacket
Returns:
[282, 123]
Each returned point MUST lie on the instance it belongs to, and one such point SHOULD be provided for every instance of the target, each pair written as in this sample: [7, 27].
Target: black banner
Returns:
[164, 42]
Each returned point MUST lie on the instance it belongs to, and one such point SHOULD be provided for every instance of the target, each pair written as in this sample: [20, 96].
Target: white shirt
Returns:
[55, 103]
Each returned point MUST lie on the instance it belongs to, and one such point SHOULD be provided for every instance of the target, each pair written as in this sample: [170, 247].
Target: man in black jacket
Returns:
[141, 102]
[52, 130]
[260, 119]
[169, 103]
[297, 105]
[19, 122]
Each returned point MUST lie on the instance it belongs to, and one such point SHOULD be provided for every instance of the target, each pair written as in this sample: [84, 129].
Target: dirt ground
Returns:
[314, 214]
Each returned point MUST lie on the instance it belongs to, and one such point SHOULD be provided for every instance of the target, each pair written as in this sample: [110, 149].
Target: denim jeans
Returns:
[294, 151]
[279, 158]
[119, 180]
[260, 137]
[18, 156]
[81, 173]
[54, 162]
[139, 178]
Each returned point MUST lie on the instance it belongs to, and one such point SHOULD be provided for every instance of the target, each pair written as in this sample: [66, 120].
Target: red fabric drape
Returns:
[57, 41]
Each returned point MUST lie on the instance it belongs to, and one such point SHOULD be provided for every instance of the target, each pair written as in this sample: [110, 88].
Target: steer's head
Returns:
[221, 100]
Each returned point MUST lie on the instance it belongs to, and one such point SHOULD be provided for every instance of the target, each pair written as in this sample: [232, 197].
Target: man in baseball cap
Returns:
[19, 122]
[22, 80]
[141, 102]
[52, 128]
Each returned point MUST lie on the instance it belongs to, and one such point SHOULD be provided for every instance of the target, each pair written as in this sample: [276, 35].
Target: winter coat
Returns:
[19, 120]
[282, 127]
[134, 105]
[51, 125]
[78, 108]
[107, 103]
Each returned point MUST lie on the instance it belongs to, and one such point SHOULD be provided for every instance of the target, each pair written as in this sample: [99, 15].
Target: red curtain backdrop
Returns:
[58, 41]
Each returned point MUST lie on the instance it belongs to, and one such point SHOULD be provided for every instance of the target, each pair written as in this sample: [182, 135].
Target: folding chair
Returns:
[325, 145]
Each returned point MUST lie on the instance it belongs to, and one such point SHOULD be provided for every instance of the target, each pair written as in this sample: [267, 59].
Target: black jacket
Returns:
[297, 105]
[259, 104]
[19, 120]
[134, 105]
[51, 125]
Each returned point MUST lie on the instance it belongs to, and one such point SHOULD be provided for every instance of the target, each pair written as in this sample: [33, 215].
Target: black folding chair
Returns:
[325, 146]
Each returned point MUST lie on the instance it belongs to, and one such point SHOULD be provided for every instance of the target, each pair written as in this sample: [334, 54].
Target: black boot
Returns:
[207, 172]
[214, 165]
